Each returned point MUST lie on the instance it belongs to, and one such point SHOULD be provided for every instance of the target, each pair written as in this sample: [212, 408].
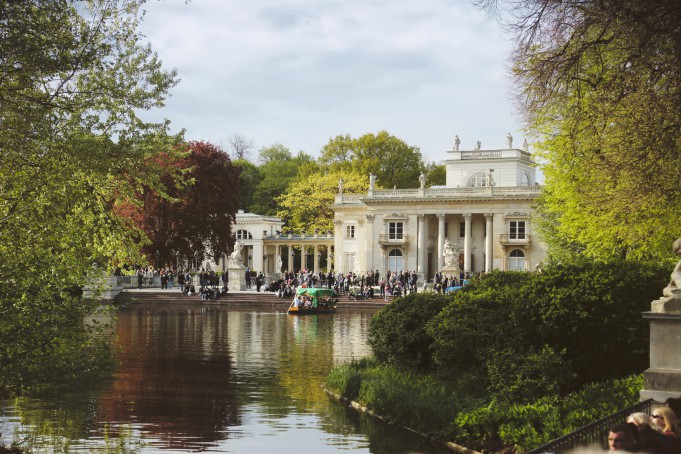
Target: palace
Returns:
[482, 216]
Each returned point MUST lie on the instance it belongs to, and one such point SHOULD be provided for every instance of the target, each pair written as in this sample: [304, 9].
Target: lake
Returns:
[199, 378]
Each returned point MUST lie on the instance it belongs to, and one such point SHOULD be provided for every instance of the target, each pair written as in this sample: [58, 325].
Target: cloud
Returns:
[301, 71]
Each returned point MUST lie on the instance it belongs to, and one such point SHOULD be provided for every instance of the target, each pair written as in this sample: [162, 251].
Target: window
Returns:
[479, 179]
[351, 264]
[395, 260]
[484, 230]
[525, 180]
[396, 230]
[517, 230]
[516, 260]
[462, 229]
[349, 231]
[243, 235]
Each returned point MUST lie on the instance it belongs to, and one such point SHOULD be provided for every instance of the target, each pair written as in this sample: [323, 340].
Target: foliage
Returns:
[533, 335]
[75, 81]
[412, 399]
[599, 84]
[397, 332]
[279, 168]
[202, 213]
[527, 426]
[392, 161]
[484, 317]
[436, 174]
[249, 176]
[306, 205]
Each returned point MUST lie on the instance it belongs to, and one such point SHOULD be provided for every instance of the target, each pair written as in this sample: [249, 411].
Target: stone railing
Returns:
[482, 191]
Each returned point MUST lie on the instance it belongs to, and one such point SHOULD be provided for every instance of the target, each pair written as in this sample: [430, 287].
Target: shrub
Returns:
[397, 335]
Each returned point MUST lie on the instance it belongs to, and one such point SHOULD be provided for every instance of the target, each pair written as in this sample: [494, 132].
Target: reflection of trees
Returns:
[175, 377]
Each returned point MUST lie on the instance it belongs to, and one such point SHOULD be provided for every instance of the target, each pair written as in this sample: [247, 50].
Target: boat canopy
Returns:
[315, 292]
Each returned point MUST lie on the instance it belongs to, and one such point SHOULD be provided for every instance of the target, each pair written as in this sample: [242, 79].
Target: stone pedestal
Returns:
[237, 277]
[451, 271]
[663, 379]
[101, 287]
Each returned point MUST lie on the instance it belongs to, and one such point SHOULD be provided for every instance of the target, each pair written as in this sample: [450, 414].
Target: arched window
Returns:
[395, 260]
[525, 180]
[477, 180]
[516, 260]
[243, 235]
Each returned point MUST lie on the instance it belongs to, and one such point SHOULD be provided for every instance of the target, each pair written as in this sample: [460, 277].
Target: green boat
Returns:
[313, 301]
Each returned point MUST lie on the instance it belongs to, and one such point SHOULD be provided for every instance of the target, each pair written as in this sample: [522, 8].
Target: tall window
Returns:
[516, 260]
[349, 231]
[396, 230]
[517, 230]
[243, 235]
[462, 229]
[350, 265]
[395, 260]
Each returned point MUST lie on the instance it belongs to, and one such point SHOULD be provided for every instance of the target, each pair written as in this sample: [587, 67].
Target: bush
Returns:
[397, 335]
[528, 426]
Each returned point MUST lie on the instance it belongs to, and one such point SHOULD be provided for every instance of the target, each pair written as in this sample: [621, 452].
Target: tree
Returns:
[240, 146]
[74, 81]
[278, 169]
[599, 84]
[248, 182]
[436, 174]
[200, 216]
[306, 205]
[393, 162]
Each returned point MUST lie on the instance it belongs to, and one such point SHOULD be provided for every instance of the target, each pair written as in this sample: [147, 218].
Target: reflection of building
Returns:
[484, 210]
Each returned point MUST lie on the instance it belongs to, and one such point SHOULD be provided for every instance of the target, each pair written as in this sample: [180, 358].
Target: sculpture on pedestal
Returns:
[449, 254]
[673, 290]
[235, 256]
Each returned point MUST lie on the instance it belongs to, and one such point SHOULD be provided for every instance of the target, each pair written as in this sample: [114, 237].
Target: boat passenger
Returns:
[296, 301]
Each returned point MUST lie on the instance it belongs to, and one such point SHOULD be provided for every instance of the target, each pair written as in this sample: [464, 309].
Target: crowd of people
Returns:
[658, 433]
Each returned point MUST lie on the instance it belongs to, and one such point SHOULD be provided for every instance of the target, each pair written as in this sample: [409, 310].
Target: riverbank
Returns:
[245, 298]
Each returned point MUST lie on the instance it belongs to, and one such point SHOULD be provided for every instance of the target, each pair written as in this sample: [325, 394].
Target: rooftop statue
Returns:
[457, 142]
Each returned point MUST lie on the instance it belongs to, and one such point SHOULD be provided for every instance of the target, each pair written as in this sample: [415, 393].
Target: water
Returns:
[211, 379]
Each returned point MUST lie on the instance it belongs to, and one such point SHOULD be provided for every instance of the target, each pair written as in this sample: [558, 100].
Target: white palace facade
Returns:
[483, 214]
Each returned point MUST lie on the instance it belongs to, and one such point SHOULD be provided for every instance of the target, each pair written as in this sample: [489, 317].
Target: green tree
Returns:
[75, 81]
[248, 182]
[306, 205]
[598, 82]
[393, 161]
[436, 174]
[278, 169]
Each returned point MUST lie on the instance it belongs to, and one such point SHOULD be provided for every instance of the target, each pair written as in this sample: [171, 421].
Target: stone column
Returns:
[369, 241]
[663, 379]
[338, 244]
[315, 259]
[467, 243]
[291, 265]
[440, 241]
[488, 242]
[421, 257]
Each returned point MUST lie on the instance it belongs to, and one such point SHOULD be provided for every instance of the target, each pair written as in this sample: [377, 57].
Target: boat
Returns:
[313, 301]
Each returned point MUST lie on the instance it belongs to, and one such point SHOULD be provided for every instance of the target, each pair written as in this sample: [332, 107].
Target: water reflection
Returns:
[197, 378]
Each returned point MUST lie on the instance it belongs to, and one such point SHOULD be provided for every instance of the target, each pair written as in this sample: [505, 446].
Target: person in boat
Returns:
[296, 301]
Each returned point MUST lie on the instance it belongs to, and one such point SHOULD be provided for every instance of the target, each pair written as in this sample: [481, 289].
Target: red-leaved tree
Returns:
[197, 221]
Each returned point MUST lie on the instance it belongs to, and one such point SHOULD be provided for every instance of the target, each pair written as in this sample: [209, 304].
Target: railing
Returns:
[506, 239]
[388, 239]
[593, 433]
[481, 191]
[480, 154]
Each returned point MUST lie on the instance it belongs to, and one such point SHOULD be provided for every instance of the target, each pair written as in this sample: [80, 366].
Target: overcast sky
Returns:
[299, 72]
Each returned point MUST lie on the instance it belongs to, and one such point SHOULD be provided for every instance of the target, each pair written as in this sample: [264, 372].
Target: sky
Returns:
[301, 72]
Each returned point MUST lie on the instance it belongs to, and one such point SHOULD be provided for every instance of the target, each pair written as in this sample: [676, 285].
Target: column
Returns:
[291, 265]
[440, 241]
[467, 242]
[329, 258]
[421, 256]
[488, 242]
[338, 244]
[277, 260]
[303, 257]
[369, 241]
[315, 259]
